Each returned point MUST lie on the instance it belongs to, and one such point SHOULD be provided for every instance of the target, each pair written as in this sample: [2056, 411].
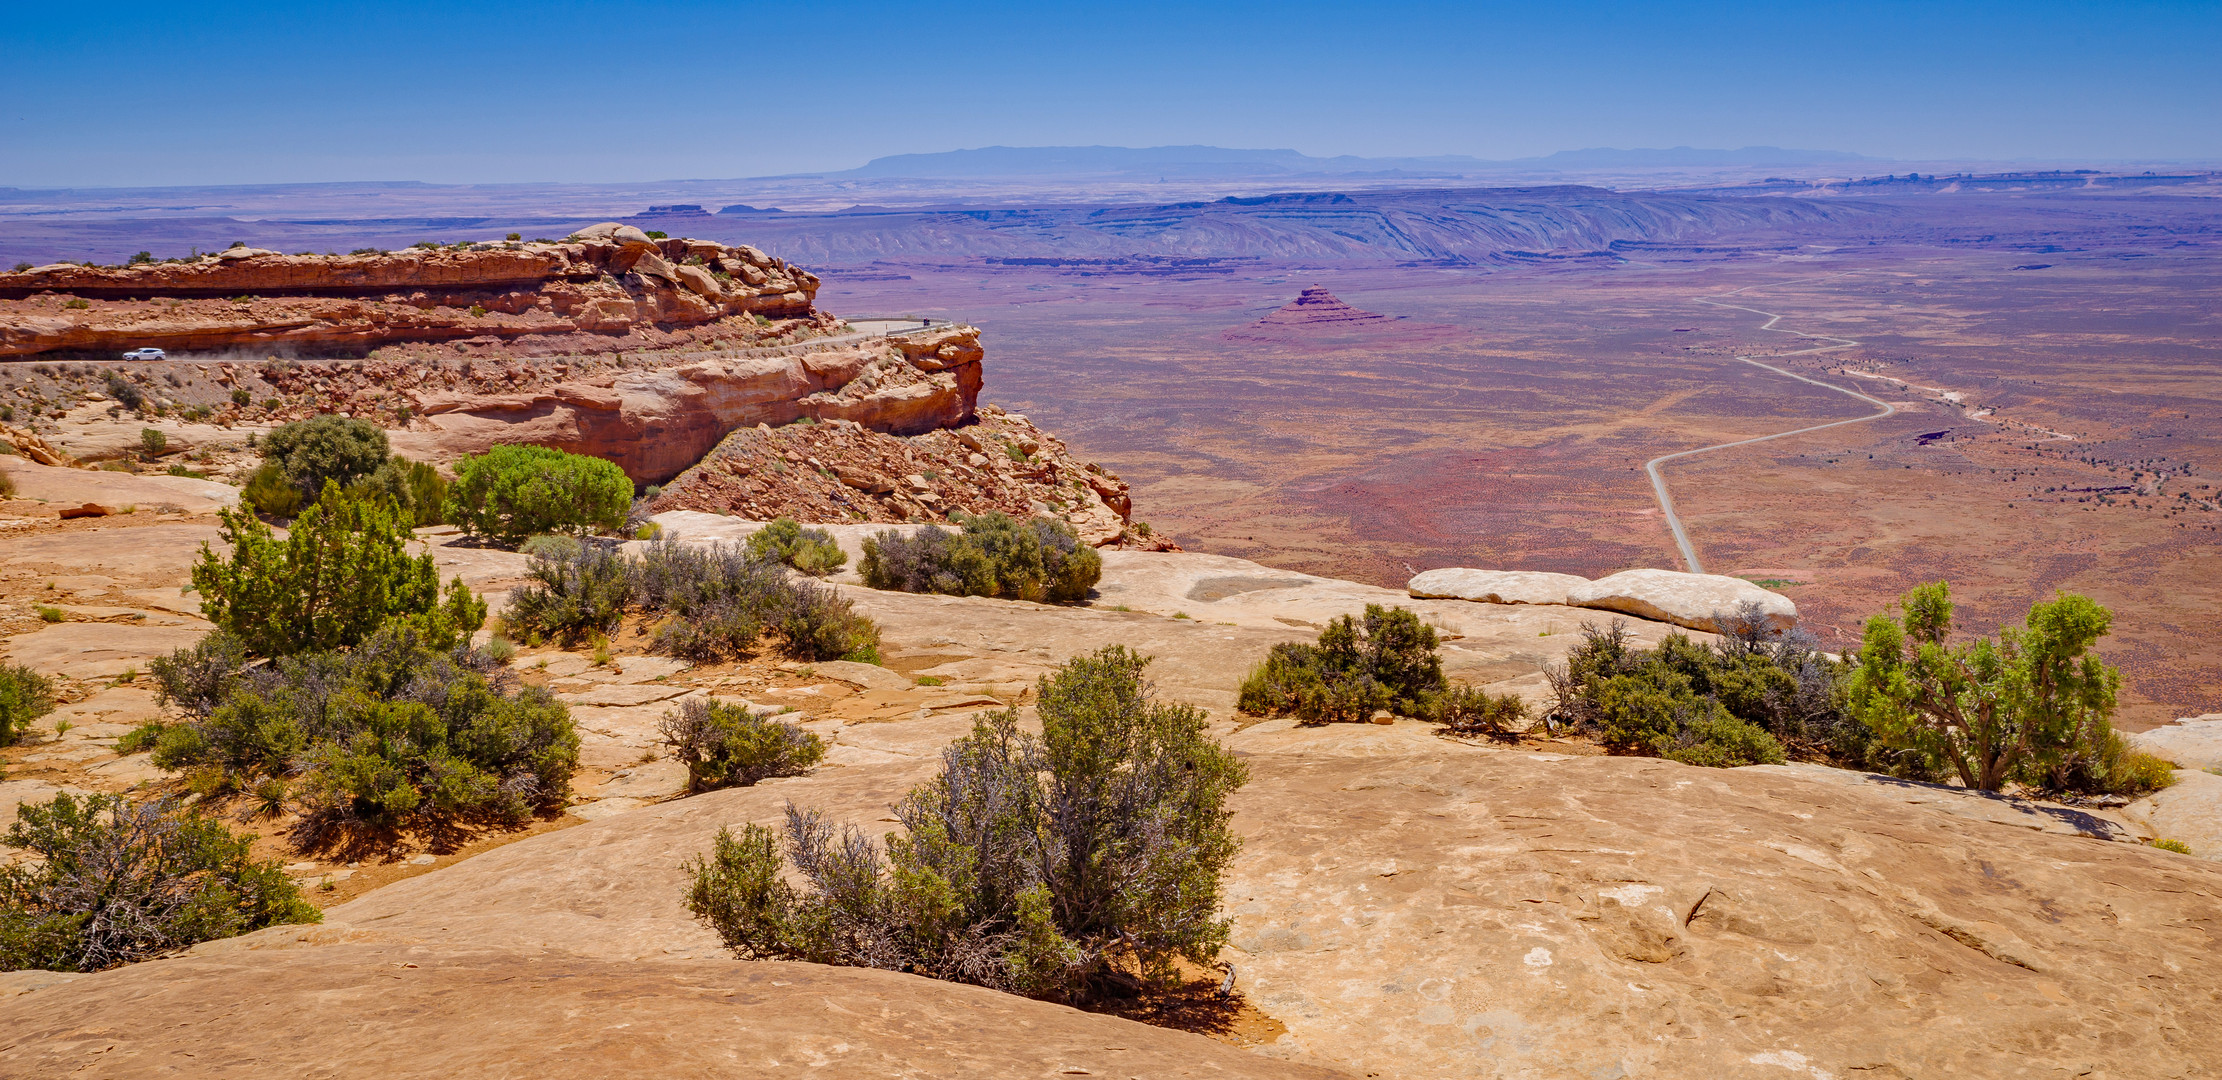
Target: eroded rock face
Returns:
[603, 282]
[656, 423]
[880, 477]
[1696, 601]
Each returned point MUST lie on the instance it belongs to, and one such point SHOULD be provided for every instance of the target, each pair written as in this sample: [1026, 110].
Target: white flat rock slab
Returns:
[862, 676]
[2192, 743]
[98, 650]
[2190, 812]
[1496, 586]
[1695, 601]
[596, 811]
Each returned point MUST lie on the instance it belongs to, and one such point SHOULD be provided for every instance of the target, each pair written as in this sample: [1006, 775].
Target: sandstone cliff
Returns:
[843, 472]
[655, 423]
[608, 279]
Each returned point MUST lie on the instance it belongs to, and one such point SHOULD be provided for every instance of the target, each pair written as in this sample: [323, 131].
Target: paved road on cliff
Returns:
[1658, 479]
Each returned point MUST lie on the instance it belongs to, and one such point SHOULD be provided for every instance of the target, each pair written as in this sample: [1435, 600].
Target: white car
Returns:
[146, 354]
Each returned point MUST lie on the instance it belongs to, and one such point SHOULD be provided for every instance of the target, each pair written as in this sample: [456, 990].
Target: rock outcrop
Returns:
[401, 1011]
[1318, 307]
[1697, 601]
[656, 423]
[609, 279]
[1405, 904]
[1496, 586]
[1317, 318]
[843, 472]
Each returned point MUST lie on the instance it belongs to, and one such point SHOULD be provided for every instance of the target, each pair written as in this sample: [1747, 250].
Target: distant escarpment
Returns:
[656, 422]
[843, 472]
[609, 279]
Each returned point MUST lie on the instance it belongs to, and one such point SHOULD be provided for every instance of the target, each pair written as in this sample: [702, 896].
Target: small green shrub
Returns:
[121, 389]
[1671, 702]
[714, 603]
[50, 614]
[342, 572]
[399, 731]
[2031, 704]
[117, 882]
[1470, 710]
[1039, 559]
[142, 737]
[328, 448]
[512, 492]
[241, 397]
[25, 695]
[1034, 865]
[268, 492]
[413, 487]
[1384, 661]
[727, 746]
[812, 551]
[152, 443]
[2101, 761]
[2164, 844]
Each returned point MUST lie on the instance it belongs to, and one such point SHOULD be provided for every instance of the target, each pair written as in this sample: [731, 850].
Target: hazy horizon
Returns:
[155, 95]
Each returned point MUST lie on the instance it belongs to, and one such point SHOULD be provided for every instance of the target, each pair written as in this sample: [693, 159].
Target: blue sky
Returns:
[134, 94]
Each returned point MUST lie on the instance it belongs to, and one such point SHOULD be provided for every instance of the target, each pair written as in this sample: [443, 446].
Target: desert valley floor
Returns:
[1504, 418]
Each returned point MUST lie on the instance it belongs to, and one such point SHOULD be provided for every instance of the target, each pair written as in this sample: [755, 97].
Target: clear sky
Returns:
[148, 93]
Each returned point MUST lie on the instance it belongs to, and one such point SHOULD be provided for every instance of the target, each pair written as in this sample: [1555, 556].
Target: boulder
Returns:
[656, 423]
[699, 280]
[2192, 743]
[610, 230]
[1696, 601]
[84, 510]
[1496, 586]
[2188, 811]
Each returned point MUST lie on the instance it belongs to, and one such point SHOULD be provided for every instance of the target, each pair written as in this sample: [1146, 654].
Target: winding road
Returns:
[1658, 479]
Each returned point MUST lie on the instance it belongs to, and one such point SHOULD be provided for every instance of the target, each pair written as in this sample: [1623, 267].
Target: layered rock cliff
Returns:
[608, 279]
[655, 423]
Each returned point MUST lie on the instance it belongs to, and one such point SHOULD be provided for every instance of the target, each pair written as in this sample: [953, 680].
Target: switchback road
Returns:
[1658, 479]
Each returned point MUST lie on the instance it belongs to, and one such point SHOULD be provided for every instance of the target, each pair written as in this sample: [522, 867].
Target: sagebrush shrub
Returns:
[1470, 710]
[1047, 866]
[575, 594]
[116, 882]
[1358, 666]
[511, 492]
[725, 745]
[1038, 559]
[712, 602]
[394, 732]
[812, 551]
[1663, 702]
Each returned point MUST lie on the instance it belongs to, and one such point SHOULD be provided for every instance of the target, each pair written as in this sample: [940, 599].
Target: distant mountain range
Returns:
[1188, 161]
